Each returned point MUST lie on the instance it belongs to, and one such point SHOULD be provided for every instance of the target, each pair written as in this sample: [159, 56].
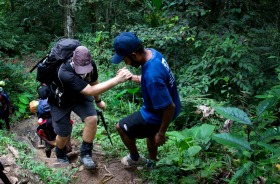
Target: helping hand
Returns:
[101, 105]
[123, 74]
[160, 139]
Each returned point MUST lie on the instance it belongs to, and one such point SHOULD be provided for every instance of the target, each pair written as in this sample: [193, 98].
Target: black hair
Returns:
[139, 48]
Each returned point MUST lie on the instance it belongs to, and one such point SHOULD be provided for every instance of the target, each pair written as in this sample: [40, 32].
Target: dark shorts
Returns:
[136, 127]
[61, 116]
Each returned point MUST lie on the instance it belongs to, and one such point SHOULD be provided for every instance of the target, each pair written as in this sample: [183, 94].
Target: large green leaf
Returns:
[232, 141]
[265, 104]
[192, 151]
[175, 134]
[23, 99]
[271, 134]
[202, 133]
[206, 131]
[121, 94]
[133, 90]
[188, 132]
[234, 114]
[22, 106]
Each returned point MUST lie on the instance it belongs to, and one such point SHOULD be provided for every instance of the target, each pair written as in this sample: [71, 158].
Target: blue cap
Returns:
[124, 44]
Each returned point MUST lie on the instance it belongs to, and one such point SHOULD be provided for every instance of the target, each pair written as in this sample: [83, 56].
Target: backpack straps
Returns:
[38, 64]
[59, 77]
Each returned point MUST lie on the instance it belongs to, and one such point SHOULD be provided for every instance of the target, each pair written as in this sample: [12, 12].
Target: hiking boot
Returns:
[151, 164]
[61, 155]
[87, 161]
[127, 161]
[63, 160]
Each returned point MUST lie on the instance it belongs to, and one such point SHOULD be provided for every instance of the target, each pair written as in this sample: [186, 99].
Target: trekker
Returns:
[160, 95]
[76, 83]
[5, 105]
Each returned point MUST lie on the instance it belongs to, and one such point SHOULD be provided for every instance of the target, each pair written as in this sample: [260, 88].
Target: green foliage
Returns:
[77, 131]
[26, 160]
[271, 134]
[159, 175]
[20, 86]
[269, 99]
[222, 50]
[231, 140]
[22, 104]
[8, 38]
[99, 45]
[6, 139]
[189, 153]
[226, 67]
[153, 13]
[27, 28]
[234, 114]
[241, 171]
[48, 175]
[259, 147]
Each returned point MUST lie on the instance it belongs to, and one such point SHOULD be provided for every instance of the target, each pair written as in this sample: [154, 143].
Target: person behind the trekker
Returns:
[5, 106]
[78, 85]
[160, 95]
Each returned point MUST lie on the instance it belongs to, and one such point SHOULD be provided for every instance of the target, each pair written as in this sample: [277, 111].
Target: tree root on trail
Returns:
[107, 177]
[73, 153]
[98, 152]
[14, 151]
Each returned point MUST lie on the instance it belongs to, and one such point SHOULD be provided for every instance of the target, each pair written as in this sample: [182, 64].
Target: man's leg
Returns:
[128, 142]
[63, 128]
[7, 121]
[86, 111]
[60, 149]
[152, 148]
[89, 133]
[90, 129]
[134, 158]
[131, 128]
[61, 141]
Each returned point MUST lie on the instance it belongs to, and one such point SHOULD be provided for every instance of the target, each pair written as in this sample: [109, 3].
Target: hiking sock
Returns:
[86, 148]
[60, 153]
[134, 156]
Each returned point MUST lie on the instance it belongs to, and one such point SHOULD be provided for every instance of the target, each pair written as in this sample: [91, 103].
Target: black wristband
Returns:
[98, 101]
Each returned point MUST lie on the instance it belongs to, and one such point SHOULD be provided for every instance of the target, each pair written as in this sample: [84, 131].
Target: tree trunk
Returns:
[69, 18]
[12, 6]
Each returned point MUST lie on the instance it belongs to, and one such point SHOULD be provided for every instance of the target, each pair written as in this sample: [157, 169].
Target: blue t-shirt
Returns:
[159, 89]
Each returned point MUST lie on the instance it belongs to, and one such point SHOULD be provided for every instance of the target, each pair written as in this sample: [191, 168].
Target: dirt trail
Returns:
[107, 172]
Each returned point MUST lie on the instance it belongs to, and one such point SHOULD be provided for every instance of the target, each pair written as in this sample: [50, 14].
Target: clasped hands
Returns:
[123, 74]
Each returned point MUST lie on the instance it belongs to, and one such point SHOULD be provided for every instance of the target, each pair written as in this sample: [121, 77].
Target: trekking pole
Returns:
[100, 114]
[38, 63]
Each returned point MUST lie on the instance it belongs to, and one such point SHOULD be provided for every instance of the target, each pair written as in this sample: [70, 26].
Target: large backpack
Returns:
[60, 53]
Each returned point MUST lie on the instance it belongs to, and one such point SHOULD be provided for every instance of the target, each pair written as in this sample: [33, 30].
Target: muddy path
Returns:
[108, 171]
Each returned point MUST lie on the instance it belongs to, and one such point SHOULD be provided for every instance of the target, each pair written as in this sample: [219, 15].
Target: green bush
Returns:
[20, 86]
